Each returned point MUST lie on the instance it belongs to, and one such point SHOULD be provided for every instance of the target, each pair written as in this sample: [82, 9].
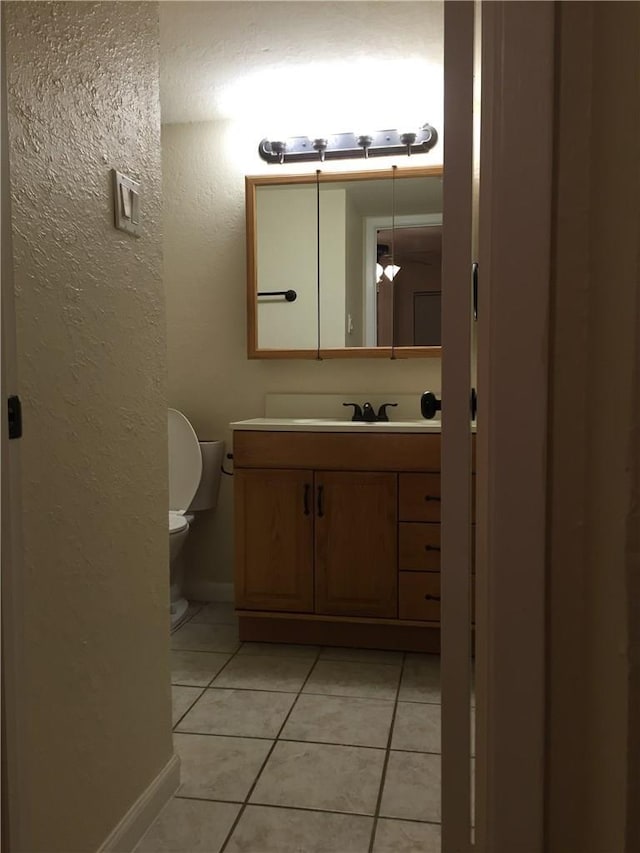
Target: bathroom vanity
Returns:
[337, 532]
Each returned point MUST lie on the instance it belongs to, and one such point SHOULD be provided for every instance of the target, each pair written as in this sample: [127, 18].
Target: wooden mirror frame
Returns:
[252, 182]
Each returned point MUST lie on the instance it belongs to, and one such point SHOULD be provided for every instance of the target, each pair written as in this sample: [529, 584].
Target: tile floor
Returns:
[299, 749]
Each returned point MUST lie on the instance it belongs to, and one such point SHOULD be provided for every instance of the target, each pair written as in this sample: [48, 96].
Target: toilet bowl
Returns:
[194, 483]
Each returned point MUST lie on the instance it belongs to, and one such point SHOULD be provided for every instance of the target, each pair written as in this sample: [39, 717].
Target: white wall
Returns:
[93, 674]
[210, 377]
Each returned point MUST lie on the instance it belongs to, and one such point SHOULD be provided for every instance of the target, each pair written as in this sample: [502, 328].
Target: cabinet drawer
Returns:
[419, 596]
[334, 451]
[419, 497]
[419, 547]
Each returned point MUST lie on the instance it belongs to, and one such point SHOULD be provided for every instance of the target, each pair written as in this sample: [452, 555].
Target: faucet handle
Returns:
[369, 414]
[357, 411]
[382, 411]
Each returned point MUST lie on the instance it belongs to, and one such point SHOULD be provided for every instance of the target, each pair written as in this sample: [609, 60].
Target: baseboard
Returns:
[126, 835]
[209, 591]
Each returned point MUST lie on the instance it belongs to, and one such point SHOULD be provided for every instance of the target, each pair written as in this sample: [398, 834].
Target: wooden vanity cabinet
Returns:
[338, 538]
[274, 540]
[356, 544]
[328, 537]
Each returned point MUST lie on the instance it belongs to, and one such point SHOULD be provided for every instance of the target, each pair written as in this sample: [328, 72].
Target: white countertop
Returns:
[330, 425]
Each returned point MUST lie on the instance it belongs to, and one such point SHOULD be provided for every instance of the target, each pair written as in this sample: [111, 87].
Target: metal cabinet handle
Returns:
[432, 597]
[431, 548]
[306, 498]
[289, 295]
[320, 501]
[432, 498]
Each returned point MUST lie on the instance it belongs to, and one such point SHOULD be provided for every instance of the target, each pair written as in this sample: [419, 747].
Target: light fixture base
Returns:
[342, 146]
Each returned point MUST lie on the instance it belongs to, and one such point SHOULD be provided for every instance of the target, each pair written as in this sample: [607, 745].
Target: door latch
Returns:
[15, 416]
[474, 288]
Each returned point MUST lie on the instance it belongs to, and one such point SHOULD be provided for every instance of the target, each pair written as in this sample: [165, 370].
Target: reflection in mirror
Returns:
[362, 253]
[286, 239]
[409, 285]
[416, 241]
[351, 204]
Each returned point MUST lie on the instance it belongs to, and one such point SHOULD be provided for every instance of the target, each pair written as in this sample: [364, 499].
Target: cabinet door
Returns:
[274, 540]
[356, 544]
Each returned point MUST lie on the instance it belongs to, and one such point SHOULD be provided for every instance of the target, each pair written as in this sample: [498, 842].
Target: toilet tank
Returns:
[207, 495]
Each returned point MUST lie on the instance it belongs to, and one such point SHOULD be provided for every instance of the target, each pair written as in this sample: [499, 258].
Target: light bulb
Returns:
[391, 271]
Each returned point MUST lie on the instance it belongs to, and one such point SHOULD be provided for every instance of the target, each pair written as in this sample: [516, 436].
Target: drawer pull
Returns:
[431, 548]
[432, 498]
[320, 501]
[429, 597]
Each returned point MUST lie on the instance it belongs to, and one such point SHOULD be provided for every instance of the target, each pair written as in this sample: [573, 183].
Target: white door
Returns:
[513, 207]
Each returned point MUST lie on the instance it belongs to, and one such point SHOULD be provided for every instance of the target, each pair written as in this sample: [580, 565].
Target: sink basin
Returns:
[335, 425]
[355, 424]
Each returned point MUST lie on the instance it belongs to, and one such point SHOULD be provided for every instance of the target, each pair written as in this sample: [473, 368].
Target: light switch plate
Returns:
[126, 203]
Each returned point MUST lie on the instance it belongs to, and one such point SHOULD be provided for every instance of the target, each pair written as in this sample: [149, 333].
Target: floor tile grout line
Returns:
[416, 751]
[350, 696]
[302, 742]
[203, 691]
[212, 686]
[184, 714]
[317, 658]
[306, 809]
[313, 742]
[383, 777]
[203, 651]
[264, 763]
[223, 667]
[207, 686]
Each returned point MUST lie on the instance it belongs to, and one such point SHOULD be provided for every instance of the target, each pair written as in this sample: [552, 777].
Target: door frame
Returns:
[515, 247]
[514, 255]
[456, 455]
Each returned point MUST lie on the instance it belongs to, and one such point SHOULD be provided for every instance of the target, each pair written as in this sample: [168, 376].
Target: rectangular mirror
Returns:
[344, 265]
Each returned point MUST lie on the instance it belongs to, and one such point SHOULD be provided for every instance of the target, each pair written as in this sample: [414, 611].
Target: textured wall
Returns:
[83, 98]
[210, 377]
[302, 66]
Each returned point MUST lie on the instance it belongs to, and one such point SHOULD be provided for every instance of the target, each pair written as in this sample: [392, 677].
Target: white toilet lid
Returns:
[185, 462]
[177, 522]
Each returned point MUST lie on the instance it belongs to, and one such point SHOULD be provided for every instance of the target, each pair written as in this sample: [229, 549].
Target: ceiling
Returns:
[271, 59]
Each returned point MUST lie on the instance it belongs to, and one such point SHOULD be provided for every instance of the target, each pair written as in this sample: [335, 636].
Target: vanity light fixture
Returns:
[365, 140]
[341, 146]
[278, 149]
[320, 145]
[408, 139]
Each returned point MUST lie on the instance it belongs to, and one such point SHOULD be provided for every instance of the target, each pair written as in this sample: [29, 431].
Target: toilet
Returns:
[194, 483]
